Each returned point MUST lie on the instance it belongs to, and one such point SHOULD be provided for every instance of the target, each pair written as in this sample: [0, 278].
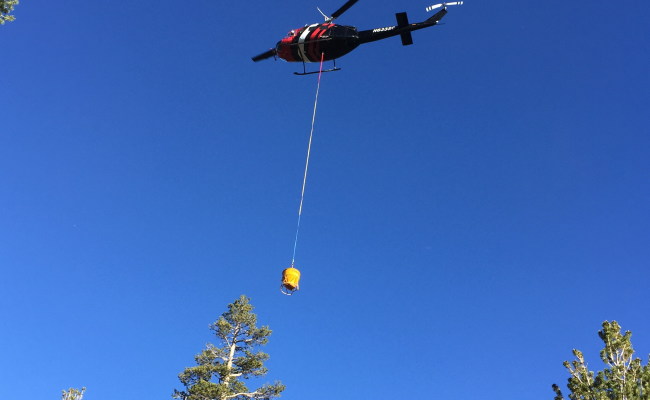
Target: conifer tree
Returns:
[624, 378]
[73, 394]
[221, 368]
[6, 7]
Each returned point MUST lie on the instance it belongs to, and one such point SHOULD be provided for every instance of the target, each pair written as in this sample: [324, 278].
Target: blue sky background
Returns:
[477, 205]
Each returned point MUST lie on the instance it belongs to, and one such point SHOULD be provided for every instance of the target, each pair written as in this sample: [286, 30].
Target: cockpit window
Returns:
[291, 33]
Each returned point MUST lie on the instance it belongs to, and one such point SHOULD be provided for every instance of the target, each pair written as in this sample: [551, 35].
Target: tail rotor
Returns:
[443, 5]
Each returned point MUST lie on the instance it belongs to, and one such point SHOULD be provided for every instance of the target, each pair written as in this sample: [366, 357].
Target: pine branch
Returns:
[250, 395]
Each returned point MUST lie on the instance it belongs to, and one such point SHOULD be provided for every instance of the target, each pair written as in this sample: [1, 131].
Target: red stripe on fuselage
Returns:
[316, 45]
[311, 49]
[289, 47]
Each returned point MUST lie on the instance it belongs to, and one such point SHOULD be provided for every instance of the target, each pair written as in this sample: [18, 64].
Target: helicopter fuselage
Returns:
[328, 41]
[313, 42]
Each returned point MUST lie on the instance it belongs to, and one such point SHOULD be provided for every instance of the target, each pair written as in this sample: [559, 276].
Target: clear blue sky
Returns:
[478, 203]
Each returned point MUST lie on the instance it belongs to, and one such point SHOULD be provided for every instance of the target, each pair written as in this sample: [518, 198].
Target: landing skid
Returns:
[304, 70]
[316, 72]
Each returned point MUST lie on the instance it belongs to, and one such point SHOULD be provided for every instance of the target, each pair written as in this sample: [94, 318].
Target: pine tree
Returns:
[6, 7]
[624, 378]
[220, 369]
[73, 394]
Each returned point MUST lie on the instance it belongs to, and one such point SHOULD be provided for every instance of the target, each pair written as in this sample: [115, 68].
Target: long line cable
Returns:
[304, 179]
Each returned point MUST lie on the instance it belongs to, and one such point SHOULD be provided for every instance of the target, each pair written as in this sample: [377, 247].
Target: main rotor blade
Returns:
[343, 9]
[265, 55]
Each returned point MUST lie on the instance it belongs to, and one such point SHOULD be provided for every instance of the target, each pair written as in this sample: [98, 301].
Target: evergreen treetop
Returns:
[6, 7]
[220, 368]
[624, 377]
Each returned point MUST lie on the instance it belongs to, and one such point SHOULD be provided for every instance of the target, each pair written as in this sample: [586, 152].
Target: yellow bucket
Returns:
[290, 279]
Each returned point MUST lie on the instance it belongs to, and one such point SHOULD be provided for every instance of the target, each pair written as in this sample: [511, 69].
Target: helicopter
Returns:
[329, 41]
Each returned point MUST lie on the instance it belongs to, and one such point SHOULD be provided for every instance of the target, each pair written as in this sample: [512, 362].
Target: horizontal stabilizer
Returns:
[402, 22]
[406, 38]
[402, 19]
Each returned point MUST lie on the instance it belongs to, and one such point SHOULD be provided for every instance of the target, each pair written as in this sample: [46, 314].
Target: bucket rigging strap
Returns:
[304, 179]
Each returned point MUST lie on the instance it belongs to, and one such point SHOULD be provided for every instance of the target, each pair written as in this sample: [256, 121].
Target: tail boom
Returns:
[403, 28]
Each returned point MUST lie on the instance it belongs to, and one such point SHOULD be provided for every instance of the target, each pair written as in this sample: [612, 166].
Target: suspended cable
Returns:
[304, 179]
